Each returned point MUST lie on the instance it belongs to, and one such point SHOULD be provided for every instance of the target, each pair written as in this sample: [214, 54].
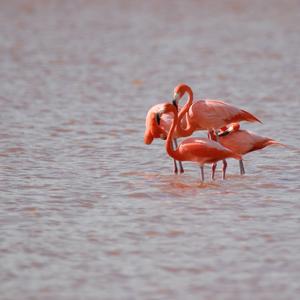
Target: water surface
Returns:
[87, 210]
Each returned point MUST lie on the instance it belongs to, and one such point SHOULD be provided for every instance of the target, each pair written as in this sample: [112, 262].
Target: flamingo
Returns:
[158, 128]
[199, 150]
[243, 141]
[207, 115]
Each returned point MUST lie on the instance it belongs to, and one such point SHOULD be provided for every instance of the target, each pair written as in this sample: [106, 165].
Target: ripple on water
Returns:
[87, 210]
[139, 195]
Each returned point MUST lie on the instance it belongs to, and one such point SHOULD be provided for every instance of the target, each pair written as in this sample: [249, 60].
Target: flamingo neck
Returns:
[189, 128]
[173, 153]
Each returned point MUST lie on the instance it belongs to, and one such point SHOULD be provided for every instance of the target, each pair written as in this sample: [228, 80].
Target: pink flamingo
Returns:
[243, 141]
[207, 115]
[199, 150]
[159, 127]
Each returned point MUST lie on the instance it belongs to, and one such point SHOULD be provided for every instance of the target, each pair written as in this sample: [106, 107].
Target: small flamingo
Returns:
[199, 150]
[243, 141]
[158, 128]
[207, 115]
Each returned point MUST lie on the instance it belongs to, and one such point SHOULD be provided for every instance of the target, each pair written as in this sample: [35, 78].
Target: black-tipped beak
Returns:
[157, 117]
[174, 102]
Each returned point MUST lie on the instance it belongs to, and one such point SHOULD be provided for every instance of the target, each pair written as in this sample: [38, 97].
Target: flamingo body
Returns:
[214, 114]
[244, 141]
[202, 151]
[207, 114]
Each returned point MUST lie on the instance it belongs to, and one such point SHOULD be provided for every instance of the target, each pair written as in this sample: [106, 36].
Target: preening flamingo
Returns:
[208, 115]
[158, 128]
[199, 150]
[243, 141]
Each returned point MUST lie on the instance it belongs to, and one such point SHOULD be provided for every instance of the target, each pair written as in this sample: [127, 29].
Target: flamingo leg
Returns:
[213, 170]
[213, 136]
[175, 167]
[214, 132]
[224, 169]
[175, 164]
[202, 173]
[242, 169]
[179, 162]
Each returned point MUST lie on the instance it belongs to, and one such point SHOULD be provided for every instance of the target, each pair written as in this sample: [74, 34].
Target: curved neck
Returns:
[173, 153]
[189, 129]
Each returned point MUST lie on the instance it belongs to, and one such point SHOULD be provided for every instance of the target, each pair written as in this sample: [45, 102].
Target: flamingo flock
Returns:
[169, 121]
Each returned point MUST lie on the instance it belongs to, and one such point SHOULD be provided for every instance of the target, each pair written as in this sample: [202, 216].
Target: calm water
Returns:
[87, 210]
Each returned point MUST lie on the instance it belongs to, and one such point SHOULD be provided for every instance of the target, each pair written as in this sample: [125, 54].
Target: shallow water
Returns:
[90, 212]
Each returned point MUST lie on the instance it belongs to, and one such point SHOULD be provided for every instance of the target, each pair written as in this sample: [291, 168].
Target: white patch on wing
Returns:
[199, 141]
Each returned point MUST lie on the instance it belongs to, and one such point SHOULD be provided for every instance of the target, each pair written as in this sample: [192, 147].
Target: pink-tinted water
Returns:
[90, 212]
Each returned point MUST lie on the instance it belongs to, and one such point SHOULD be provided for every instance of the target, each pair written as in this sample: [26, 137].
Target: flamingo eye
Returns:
[157, 118]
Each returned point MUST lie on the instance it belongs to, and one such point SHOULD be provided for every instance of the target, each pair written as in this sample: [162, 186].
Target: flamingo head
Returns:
[154, 128]
[179, 91]
[233, 127]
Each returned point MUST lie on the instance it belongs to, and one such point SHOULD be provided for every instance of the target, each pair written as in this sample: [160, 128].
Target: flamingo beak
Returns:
[157, 117]
[148, 137]
[174, 102]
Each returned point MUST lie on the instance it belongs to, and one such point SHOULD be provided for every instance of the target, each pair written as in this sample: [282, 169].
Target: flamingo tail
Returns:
[249, 117]
[273, 142]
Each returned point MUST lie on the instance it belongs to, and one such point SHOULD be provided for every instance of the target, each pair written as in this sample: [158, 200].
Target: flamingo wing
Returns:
[214, 114]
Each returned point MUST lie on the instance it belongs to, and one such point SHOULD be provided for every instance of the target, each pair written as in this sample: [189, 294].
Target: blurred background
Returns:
[87, 210]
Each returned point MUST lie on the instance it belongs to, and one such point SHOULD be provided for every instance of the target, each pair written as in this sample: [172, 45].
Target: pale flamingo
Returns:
[158, 128]
[207, 115]
[199, 150]
[243, 141]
